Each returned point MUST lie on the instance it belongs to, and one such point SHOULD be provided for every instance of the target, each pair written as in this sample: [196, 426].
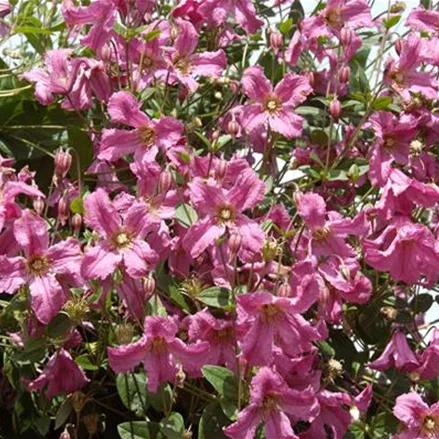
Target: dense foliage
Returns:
[219, 219]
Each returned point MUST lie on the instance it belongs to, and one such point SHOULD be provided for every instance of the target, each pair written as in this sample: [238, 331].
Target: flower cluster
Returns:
[251, 247]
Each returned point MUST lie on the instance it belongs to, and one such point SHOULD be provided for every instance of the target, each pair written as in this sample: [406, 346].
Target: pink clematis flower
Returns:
[271, 401]
[392, 143]
[186, 64]
[274, 107]
[406, 250]
[147, 137]
[101, 14]
[420, 420]
[429, 359]
[160, 351]
[221, 210]
[46, 269]
[216, 13]
[423, 20]
[403, 75]
[265, 320]
[396, 354]
[220, 335]
[121, 239]
[61, 375]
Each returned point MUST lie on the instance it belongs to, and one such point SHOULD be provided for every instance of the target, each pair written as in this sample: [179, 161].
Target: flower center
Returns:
[122, 240]
[270, 404]
[272, 105]
[38, 265]
[271, 313]
[333, 18]
[429, 425]
[320, 234]
[398, 78]
[183, 64]
[225, 215]
[147, 136]
[389, 143]
[149, 63]
[224, 334]
[158, 345]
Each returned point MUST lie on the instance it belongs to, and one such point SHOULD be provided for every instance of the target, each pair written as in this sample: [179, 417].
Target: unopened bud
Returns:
[284, 290]
[275, 39]
[310, 76]
[269, 250]
[233, 127]
[165, 181]
[149, 286]
[63, 161]
[173, 33]
[63, 207]
[398, 7]
[344, 74]
[215, 135]
[180, 378]
[235, 242]
[221, 169]
[38, 205]
[76, 222]
[335, 109]
[124, 333]
[398, 46]
[346, 36]
[65, 434]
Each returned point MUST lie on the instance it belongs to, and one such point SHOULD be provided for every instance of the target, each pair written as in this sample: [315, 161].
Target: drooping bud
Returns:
[398, 7]
[149, 286]
[233, 127]
[346, 36]
[269, 250]
[38, 205]
[215, 135]
[65, 434]
[344, 74]
[165, 181]
[335, 109]
[180, 378]
[221, 169]
[63, 161]
[235, 241]
[63, 209]
[275, 40]
[76, 222]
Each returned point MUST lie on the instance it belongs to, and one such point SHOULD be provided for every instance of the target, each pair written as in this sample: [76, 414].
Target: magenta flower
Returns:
[403, 75]
[186, 63]
[396, 354]
[392, 143]
[147, 137]
[429, 359]
[221, 210]
[265, 320]
[216, 13]
[420, 421]
[274, 108]
[271, 401]
[101, 14]
[46, 269]
[406, 250]
[423, 20]
[121, 239]
[160, 351]
[220, 335]
[61, 375]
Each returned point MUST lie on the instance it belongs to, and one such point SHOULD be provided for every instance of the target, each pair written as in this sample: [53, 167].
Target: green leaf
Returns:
[172, 426]
[212, 423]
[421, 303]
[59, 325]
[337, 175]
[286, 26]
[223, 381]
[77, 205]
[34, 350]
[42, 423]
[31, 30]
[63, 413]
[185, 215]
[85, 362]
[153, 35]
[216, 297]
[133, 392]
[382, 103]
[133, 430]
[162, 400]
[392, 21]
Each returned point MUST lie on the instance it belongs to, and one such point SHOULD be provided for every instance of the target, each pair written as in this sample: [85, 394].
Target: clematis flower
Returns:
[220, 335]
[186, 64]
[216, 13]
[403, 75]
[419, 420]
[265, 320]
[404, 249]
[392, 143]
[274, 108]
[396, 354]
[46, 269]
[101, 14]
[429, 359]
[121, 239]
[147, 137]
[271, 402]
[61, 375]
[423, 20]
[222, 210]
[160, 351]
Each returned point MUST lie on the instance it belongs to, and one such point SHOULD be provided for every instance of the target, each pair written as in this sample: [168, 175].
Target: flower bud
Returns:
[346, 36]
[124, 333]
[221, 169]
[398, 7]
[149, 286]
[173, 33]
[284, 290]
[180, 378]
[310, 76]
[269, 250]
[398, 46]
[38, 205]
[215, 135]
[235, 241]
[233, 127]
[63, 161]
[76, 222]
[335, 109]
[165, 181]
[275, 40]
[344, 74]
[65, 434]
[63, 207]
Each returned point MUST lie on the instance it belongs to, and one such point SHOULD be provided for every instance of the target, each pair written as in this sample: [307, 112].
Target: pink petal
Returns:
[13, 274]
[247, 191]
[293, 89]
[65, 256]
[31, 233]
[125, 358]
[312, 208]
[287, 123]
[210, 64]
[138, 258]
[124, 108]
[118, 143]
[99, 262]
[278, 426]
[256, 85]
[246, 425]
